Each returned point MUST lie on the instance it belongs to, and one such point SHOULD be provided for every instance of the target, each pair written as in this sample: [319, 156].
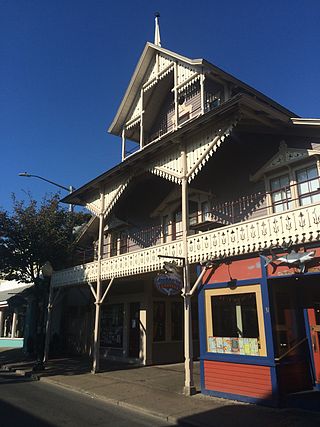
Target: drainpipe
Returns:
[96, 337]
[189, 388]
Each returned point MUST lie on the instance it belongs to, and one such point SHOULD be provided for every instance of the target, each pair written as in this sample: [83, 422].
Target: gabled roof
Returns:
[138, 76]
[283, 157]
[146, 57]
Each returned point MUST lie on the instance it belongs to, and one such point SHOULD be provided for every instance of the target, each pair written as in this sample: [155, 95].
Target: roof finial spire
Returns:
[157, 40]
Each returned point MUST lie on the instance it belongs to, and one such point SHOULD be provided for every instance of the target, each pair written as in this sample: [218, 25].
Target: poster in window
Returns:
[235, 345]
[212, 347]
[219, 344]
[226, 345]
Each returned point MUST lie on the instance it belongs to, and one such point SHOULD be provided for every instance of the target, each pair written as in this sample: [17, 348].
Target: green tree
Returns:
[35, 233]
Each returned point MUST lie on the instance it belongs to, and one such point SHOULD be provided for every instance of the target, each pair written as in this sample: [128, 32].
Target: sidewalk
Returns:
[157, 391]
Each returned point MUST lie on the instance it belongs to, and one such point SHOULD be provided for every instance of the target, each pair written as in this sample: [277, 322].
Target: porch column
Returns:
[146, 327]
[14, 324]
[1, 322]
[96, 337]
[123, 144]
[189, 387]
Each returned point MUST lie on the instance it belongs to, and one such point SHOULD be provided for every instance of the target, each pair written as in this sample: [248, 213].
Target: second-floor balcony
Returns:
[252, 223]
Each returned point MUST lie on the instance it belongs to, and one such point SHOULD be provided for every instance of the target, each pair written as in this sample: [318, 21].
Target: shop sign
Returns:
[168, 283]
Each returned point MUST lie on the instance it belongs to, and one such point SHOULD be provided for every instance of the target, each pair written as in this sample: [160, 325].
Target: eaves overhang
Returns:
[303, 121]
[133, 163]
[231, 79]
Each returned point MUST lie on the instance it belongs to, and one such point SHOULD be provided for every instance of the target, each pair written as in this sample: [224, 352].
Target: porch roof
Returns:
[9, 293]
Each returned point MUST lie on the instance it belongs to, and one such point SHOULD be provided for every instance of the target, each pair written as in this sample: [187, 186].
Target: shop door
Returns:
[134, 330]
[314, 322]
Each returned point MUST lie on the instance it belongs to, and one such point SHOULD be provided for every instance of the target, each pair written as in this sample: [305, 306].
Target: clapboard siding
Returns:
[244, 380]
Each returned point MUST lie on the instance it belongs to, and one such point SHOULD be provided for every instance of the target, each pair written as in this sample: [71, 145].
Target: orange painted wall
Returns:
[245, 380]
[240, 269]
[285, 270]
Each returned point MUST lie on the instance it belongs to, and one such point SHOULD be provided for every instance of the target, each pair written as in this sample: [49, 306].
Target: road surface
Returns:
[26, 403]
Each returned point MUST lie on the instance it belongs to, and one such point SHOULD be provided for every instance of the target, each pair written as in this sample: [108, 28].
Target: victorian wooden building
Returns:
[221, 179]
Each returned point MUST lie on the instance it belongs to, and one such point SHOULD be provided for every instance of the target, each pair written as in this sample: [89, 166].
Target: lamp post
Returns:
[70, 189]
[42, 284]
[47, 272]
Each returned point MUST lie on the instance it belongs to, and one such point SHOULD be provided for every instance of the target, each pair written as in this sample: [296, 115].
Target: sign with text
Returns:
[168, 283]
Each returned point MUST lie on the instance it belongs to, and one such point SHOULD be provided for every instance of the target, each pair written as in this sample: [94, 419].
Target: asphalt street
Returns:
[27, 403]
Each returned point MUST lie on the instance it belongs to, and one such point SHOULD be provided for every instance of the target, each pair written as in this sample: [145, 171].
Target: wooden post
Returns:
[96, 337]
[1, 322]
[176, 106]
[202, 93]
[189, 387]
[123, 146]
[14, 324]
[141, 121]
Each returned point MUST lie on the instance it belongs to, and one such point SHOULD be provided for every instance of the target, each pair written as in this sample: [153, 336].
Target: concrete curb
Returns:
[121, 403]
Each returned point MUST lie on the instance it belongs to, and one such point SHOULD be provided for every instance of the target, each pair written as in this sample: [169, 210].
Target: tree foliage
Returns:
[35, 233]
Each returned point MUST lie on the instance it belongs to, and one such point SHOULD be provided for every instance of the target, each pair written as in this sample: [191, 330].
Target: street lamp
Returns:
[70, 188]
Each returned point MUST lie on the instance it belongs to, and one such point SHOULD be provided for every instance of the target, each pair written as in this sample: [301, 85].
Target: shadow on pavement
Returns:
[243, 415]
[13, 416]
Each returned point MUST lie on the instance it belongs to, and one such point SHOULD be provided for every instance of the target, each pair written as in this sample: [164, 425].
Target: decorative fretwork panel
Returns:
[136, 113]
[199, 150]
[299, 226]
[185, 73]
[284, 157]
[112, 195]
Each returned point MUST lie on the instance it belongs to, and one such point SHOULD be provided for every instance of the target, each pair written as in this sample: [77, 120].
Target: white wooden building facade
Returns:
[211, 170]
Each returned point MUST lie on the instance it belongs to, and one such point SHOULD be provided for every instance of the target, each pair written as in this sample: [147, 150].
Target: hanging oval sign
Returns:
[168, 283]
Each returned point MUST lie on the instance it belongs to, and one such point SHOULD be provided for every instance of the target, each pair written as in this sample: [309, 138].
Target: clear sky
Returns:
[65, 65]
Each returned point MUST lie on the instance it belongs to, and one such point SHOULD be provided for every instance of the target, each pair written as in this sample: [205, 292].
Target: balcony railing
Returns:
[228, 229]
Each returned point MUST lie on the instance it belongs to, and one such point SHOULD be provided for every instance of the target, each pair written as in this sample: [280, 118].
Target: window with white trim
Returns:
[281, 193]
[308, 185]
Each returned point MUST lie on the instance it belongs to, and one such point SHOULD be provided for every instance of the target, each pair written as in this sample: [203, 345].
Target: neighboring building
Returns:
[13, 307]
[211, 169]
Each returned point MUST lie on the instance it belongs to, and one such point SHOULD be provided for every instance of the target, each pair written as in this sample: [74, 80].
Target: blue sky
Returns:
[65, 65]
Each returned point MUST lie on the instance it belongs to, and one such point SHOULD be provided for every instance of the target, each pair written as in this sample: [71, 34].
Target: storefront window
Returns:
[235, 316]
[159, 321]
[235, 321]
[111, 334]
[176, 321]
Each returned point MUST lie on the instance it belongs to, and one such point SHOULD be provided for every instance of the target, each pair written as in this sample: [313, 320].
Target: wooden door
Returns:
[314, 322]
